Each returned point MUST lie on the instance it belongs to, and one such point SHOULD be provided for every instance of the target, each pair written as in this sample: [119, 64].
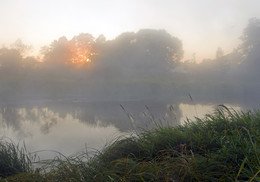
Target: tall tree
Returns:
[250, 48]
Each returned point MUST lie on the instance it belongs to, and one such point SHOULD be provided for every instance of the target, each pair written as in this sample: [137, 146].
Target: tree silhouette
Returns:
[250, 47]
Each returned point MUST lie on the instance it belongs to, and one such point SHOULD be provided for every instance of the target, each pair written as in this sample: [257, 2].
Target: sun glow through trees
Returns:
[81, 58]
[82, 51]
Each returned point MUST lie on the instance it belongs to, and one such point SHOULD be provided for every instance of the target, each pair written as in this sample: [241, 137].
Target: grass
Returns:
[13, 159]
[224, 146]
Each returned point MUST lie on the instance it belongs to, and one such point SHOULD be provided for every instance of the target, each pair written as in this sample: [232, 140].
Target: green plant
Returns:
[13, 159]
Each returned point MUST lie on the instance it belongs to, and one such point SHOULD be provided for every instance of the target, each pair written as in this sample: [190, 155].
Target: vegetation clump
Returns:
[224, 146]
[13, 159]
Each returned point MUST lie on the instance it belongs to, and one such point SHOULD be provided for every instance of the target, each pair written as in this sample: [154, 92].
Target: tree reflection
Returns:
[129, 116]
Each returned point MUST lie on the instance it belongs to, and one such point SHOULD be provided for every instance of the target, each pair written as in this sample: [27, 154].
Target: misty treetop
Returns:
[146, 49]
[143, 65]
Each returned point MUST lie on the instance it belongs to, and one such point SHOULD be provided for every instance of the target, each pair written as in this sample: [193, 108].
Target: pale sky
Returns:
[202, 25]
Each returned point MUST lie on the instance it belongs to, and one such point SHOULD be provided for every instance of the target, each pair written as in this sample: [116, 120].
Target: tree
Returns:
[10, 60]
[249, 51]
[251, 37]
[250, 46]
[82, 47]
[160, 44]
[63, 52]
[147, 51]
[21, 47]
[58, 53]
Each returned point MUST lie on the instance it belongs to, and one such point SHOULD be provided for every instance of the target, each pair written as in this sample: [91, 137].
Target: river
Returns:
[73, 127]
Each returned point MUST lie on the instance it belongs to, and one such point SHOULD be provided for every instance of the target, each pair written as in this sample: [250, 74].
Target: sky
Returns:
[202, 25]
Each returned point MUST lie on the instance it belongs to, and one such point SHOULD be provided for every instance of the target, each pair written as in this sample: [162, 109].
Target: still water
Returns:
[71, 127]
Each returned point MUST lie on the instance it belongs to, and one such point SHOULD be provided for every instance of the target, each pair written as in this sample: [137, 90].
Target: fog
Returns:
[135, 66]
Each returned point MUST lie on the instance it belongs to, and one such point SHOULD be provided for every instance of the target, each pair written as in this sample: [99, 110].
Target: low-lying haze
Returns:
[142, 65]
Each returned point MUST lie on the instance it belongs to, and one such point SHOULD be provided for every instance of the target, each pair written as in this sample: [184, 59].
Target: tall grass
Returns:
[224, 146]
[13, 159]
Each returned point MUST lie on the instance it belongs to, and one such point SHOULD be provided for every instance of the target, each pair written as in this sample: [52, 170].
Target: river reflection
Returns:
[73, 127]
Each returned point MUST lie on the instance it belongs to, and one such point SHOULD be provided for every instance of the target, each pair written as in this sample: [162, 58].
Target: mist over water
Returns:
[146, 65]
[87, 89]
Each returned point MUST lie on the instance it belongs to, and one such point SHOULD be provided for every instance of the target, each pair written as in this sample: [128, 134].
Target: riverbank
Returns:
[224, 146]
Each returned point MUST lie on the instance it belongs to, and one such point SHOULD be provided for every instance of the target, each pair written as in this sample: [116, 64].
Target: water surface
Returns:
[71, 127]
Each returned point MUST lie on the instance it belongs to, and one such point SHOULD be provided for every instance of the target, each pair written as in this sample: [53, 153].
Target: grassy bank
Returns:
[224, 146]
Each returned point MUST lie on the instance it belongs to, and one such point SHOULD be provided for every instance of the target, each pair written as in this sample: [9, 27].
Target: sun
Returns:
[81, 56]
[80, 59]
[82, 50]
